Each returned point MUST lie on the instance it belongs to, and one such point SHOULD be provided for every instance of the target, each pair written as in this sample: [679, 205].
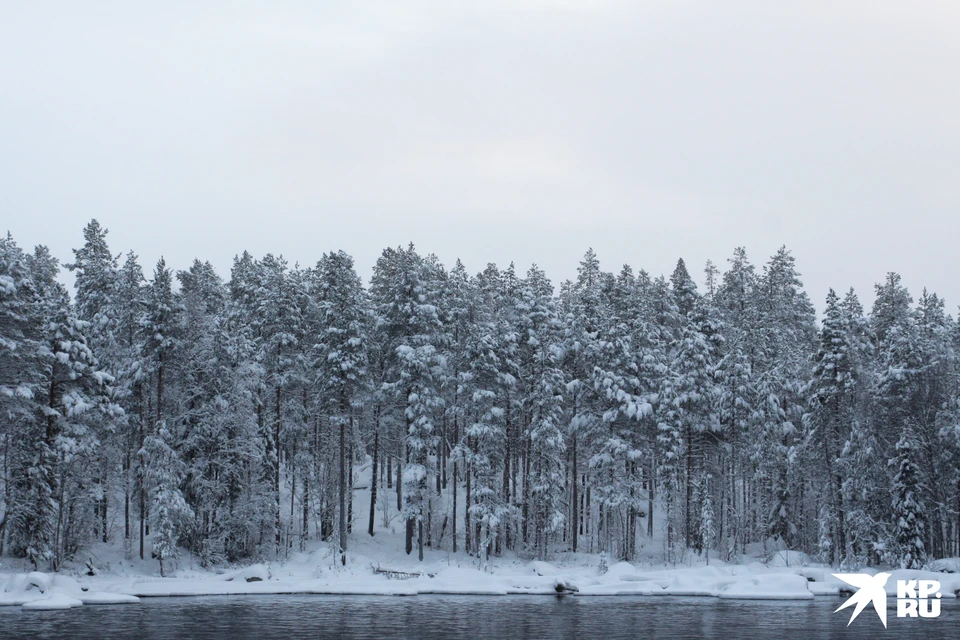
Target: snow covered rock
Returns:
[105, 597]
[36, 580]
[946, 565]
[51, 602]
[40, 591]
[253, 573]
[564, 586]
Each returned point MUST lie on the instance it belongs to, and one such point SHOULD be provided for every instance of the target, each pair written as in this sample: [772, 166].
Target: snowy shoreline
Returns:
[740, 582]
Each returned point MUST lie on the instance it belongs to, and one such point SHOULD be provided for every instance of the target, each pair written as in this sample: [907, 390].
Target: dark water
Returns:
[429, 617]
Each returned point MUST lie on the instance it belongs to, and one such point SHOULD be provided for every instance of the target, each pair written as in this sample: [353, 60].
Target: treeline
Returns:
[493, 412]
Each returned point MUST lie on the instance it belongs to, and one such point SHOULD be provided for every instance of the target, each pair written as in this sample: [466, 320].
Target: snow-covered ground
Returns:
[785, 576]
[762, 574]
[38, 590]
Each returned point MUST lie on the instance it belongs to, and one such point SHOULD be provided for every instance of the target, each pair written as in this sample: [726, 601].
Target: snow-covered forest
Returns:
[498, 413]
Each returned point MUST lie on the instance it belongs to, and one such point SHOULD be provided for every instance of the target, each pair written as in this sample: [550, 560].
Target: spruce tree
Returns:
[909, 511]
[341, 358]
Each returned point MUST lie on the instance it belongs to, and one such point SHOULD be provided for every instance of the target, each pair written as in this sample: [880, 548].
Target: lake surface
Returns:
[430, 617]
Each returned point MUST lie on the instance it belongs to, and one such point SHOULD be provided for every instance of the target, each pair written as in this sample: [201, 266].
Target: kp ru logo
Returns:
[915, 598]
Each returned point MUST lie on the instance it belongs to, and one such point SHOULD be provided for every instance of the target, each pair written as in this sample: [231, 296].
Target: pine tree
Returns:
[341, 357]
[831, 404]
[96, 272]
[485, 434]
[540, 357]
[17, 296]
[277, 296]
[785, 340]
[860, 460]
[689, 390]
[216, 430]
[160, 324]
[168, 509]
[908, 507]
[405, 299]
[625, 402]
[65, 391]
[131, 366]
[707, 530]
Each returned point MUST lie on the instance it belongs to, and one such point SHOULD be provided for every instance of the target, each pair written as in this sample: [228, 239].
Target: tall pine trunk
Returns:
[305, 525]
[399, 487]
[373, 478]
[350, 481]
[456, 435]
[343, 493]
[466, 514]
[576, 496]
[688, 495]
[276, 472]
[142, 476]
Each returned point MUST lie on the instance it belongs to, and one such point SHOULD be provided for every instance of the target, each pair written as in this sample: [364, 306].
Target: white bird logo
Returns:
[871, 589]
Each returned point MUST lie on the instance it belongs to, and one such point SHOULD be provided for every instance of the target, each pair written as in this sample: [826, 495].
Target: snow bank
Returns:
[543, 568]
[105, 597]
[51, 602]
[769, 587]
[946, 565]
[461, 581]
[824, 588]
[787, 558]
[316, 573]
[41, 591]
[827, 584]
[949, 583]
[253, 573]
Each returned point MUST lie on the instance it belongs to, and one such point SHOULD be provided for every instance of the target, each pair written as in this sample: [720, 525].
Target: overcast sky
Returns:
[523, 130]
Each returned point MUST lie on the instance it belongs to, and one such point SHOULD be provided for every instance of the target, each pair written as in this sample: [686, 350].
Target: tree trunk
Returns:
[526, 491]
[293, 492]
[399, 484]
[276, 472]
[506, 480]
[576, 496]
[688, 496]
[373, 479]
[420, 536]
[126, 500]
[454, 506]
[103, 508]
[651, 486]
[142, 476]
[456, 439]
[466, 515]
[160, 369]
[305, 525]
[408, 536]
[343, 493]
[350, 481]
[442, 458]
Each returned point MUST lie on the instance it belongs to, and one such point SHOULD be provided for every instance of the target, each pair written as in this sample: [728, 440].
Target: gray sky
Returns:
[521, 130]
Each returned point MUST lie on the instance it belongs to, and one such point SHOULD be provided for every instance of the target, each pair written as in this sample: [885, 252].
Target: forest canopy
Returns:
[228, 417]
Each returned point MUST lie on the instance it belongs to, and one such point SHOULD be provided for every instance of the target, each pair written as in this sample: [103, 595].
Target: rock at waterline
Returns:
[253, 573]
[563, 587]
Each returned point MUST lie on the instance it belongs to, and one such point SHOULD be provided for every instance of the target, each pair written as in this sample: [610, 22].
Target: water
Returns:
[429, 617]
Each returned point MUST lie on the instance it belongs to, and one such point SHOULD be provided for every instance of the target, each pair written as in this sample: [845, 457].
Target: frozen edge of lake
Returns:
[738, 582]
